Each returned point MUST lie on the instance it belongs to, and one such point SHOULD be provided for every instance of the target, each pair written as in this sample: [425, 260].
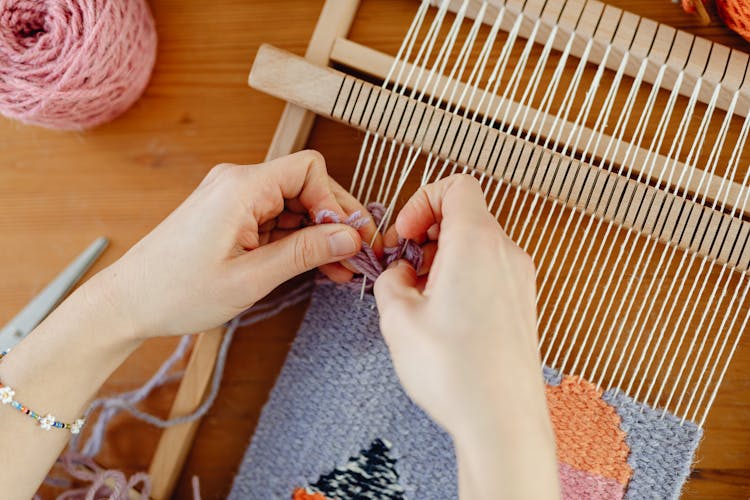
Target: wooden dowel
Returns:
[653, 166]
[296, 123]
[703, 14]
[175, 442]
[669, 218]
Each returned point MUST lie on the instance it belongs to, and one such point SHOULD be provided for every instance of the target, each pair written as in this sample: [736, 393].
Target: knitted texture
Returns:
[73, 64]
[338, 394]
[661, 447]
[587, 430]
[581, 485]
[371, 474]
[736, 15]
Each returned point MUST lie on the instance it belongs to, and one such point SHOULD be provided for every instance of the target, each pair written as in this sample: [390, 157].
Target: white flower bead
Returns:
[47, 422]
[75, 427]
[6, 395]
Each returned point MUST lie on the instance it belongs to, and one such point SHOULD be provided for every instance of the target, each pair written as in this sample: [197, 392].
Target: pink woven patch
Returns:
[580, 485]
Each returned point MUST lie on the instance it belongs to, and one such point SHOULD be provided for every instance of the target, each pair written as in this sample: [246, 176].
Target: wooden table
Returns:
[58, 191]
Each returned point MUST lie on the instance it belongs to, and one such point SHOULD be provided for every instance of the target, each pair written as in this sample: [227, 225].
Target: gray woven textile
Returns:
[338, 393]
[661, 448]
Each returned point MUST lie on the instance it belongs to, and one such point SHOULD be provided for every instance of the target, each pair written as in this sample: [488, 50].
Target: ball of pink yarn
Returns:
[73, 64]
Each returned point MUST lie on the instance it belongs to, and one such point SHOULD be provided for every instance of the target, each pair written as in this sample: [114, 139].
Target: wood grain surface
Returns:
[58, 191]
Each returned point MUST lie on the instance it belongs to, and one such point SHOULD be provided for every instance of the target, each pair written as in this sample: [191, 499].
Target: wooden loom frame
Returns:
[328, 43]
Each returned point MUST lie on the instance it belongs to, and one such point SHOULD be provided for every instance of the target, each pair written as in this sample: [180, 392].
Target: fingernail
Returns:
[398, 262]
[342, 243]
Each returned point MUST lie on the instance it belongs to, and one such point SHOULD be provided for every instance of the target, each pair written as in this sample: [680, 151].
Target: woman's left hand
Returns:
[237, 237]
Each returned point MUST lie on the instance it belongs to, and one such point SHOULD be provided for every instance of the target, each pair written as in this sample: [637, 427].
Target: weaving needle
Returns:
[44, 303]
[372, 242]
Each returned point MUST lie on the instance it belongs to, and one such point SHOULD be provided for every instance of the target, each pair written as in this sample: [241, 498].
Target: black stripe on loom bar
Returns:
[538, 137]
[651, 201]
[633, 193]
[356, 100]
[367, 101]
[606, 178]
[338, 94]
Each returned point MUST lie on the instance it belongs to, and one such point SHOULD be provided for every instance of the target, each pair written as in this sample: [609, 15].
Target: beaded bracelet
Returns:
[46, 422]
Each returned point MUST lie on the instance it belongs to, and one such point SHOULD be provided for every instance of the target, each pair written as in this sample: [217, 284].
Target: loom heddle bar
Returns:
[640, 37]
[618, 151]
[669, 218]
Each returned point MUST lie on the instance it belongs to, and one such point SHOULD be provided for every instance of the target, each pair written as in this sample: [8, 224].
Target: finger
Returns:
[455, 203]
[429, 250]
[395, 290]
[267, 226]
[249, 237]
[301, 175]
[291, 220]
[390, 238]
[433, 233]
[299, 252]
[350, 204]
[347, 270]
[336, 273]
[295, 206]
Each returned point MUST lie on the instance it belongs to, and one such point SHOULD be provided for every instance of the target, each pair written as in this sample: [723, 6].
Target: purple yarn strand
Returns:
[112, 405]
[366, 262]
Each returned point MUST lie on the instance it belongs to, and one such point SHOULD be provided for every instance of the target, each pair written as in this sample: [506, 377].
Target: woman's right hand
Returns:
[464, 342]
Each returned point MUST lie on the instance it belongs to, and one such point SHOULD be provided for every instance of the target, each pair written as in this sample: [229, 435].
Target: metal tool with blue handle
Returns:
[41, 305]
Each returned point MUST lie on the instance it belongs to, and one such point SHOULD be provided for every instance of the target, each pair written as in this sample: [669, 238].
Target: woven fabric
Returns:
[575, 483]
[338, 396]
[371, 474]
[661, 447]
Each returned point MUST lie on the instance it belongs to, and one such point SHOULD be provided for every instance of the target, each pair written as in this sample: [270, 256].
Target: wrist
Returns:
[62, 364]
[105, 296]
[515, 448]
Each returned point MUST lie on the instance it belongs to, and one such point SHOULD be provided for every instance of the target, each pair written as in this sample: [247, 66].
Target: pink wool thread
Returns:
[73, 64]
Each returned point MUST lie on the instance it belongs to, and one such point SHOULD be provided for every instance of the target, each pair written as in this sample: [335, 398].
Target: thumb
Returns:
[300, 252]
[395, 293]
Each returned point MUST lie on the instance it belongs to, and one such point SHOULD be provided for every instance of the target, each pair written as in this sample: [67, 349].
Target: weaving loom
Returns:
[611, 148]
